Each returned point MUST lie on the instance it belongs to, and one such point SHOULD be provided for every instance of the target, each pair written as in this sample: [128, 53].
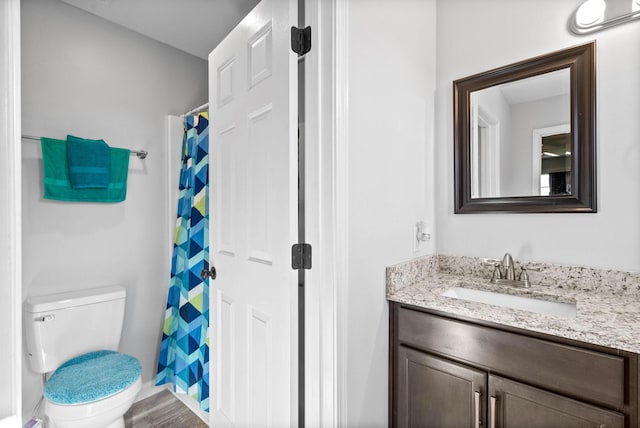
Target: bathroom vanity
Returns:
[450, 372]
[461, 363]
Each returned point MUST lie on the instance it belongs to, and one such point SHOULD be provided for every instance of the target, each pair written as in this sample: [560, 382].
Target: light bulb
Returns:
[591, 12]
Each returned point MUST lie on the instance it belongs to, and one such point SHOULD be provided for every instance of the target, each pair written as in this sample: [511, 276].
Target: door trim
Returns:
[10, 208]
[341, 66]
[327, 207]
[538, 134]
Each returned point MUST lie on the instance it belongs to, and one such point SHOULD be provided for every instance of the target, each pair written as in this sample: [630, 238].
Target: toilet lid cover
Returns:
[91, 377]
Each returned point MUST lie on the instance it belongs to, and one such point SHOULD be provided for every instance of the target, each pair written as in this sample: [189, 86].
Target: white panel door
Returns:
[253, 171]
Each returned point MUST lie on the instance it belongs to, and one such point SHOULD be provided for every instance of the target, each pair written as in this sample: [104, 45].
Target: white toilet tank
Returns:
[61, 326]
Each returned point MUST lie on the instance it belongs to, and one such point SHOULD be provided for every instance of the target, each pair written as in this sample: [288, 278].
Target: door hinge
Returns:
[300, 40]
[301, 256]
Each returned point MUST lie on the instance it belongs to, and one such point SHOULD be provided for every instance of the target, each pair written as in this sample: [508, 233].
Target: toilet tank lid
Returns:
[68, 299]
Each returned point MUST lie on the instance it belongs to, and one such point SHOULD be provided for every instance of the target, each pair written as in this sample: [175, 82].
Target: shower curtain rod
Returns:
[142, 154]
[197, 109]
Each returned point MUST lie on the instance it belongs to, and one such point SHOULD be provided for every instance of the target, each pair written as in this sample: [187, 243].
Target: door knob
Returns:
[211, 273]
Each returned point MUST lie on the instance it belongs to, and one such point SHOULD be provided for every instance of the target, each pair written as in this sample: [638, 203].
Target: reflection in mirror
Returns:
[512, 135]
[524, 136]
[552, 176]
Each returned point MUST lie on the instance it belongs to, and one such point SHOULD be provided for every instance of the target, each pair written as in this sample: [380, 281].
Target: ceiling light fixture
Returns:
[591, 12]
[595, 15]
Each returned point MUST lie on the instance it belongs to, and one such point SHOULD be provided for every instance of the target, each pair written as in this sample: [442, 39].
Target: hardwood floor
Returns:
[162, 410]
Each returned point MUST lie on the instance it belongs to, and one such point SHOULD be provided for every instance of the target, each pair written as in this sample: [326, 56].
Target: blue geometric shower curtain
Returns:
[184, 352]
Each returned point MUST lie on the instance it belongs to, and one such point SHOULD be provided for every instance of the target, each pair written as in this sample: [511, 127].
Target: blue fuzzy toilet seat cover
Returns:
[91, 377]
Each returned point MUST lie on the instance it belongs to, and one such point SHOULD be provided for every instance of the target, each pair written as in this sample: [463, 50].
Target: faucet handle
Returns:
[524, 276]
[497, 273]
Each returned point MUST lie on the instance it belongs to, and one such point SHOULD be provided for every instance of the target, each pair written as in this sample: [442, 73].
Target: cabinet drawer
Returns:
[593, 376]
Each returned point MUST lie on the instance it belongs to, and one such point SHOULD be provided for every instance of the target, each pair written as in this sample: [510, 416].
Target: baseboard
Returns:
[148, 389]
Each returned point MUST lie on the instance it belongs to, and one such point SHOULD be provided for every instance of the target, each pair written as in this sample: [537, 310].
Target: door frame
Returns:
[327, 196]
[536, 144]
[11, 204]
[485, 157]
[327, 210]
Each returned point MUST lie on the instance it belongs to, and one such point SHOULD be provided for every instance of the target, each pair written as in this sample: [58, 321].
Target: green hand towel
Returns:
[89, 163]
[56, 175]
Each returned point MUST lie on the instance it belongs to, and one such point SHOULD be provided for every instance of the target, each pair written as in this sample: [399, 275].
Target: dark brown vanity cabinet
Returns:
[451, 373]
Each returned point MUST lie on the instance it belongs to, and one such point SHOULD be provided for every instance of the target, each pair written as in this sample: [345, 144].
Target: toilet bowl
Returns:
[106, 413]
[74, 336]
[92, 390]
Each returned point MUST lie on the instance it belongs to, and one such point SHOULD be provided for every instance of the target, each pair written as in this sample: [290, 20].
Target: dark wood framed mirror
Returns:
[524, 136]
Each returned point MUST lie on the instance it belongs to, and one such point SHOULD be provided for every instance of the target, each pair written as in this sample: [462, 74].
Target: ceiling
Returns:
[193, 26]
[538, 87]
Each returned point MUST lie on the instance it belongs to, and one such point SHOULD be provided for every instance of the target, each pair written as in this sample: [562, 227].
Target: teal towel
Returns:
[89, 163]
[56, 175]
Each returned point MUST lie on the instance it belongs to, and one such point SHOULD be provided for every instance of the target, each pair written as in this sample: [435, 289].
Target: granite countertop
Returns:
[607, 302]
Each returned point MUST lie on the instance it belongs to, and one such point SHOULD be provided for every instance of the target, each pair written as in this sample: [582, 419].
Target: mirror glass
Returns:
[524, 136]
[521, 137]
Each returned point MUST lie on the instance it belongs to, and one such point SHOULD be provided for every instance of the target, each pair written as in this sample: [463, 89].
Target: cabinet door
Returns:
[433, 392]
[513, 404]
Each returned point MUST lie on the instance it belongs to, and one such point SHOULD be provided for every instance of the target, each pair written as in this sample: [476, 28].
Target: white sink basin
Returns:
[530, 304]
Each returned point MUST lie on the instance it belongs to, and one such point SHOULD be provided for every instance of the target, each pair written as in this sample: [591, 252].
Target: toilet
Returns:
[74, 337]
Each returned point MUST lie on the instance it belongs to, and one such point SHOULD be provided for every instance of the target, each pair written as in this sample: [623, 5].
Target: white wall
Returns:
[390, 115]
[474, 36]
[87, 77]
